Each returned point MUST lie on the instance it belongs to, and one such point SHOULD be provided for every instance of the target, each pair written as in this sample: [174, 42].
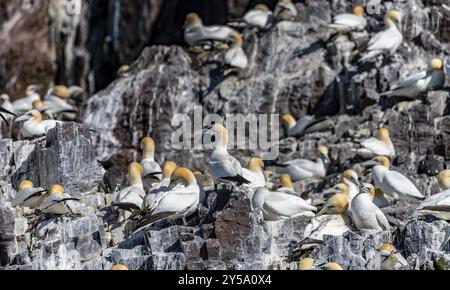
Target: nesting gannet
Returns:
[235, 56]
[286, 184]
[33, 125]
[300, 169]
[254, 173]
[388, 40]
[347, 22]
[339, 202]
[152, 169]
[277, 205]
[195, 33]
[285, 10]
[388, 259]
[381, 145]
[438, 204]
[180, 201]
[300, 127]
[162, 187]
[332, 267]
[123, 71]
[130, 199]
[57, 201]
[6, 107]
[392, 182]
[119, 267]
[431, 79]
[222, 166]
[306, 264]
[55, 103]
[260, 17]
[28, 196]
[365, 214]
[26, 103]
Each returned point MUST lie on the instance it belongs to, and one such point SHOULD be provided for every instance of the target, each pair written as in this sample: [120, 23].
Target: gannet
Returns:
[365, 214]
[285, 10]
[130, 199]
[338, 203]
[260, 17]
[388, 259]
[28, 196]
[195, 33]
[300, 169]
[119, 267]
[392, 182]
[222, 166]
[438, 204]
[254, 173]
[380, 199]
[332, 267]
[388, 40]
[152, 169]
[350, 178]
[277, 205]
[180, 201]
[57, 201]
[34, 126]
[54, 102]
[26, 103]
[381, 145]
[300, 127]
[347, 22]
[421, 82]
[6, 107]
[123, 71]
[162, 187]
[235, 56]
[306, 264]
[286, 184]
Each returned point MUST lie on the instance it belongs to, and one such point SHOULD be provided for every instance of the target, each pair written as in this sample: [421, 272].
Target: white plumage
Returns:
[365, 214]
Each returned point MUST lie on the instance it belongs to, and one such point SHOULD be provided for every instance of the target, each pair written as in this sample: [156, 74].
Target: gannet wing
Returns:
[385, 40]
[411, 80]
[382, 220]
[349, 20]
[396, 182]
[35, 193]
[176, 202]
[439, 201]
[376, 146]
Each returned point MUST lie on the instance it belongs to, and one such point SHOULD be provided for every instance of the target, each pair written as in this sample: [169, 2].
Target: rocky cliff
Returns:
[293, 68]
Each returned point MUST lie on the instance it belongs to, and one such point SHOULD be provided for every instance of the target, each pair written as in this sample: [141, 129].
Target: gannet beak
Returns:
[370, 163]
[356, 181]
[23, 118]
[331, 190]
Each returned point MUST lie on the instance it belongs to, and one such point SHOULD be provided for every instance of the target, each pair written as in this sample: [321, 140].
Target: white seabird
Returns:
[392, 182]
[428, 80]
[130, 199]
[379, 146]
[255, 173]
[280, 205]
[300, 127]
[33, 125]
[285, 10]
[54, 102]
[365, 214]
[300, 169]
[260, 17]
[57, 201]
[339, 203]
[195, 33]
[25, 104]
[152, 170]
[388, 40]
[222, 166]
[438, 204]
[235, 56]
[6, 108]
[28, 196]
[347, 22]
[159, 189]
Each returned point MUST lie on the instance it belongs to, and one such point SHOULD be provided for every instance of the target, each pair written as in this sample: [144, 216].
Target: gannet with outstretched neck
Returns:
[379, 146]
[347, 22]
[152, 170]
[388, 40]
[300, 169]
[365, 214]
[28, 196]
[392, 182]
[428, 80]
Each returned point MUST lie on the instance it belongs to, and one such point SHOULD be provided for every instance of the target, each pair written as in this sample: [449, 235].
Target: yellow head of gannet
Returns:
[289, 120]
[387, 248]
[38, 104]
[184, 175]
[123, 69]
[444, 179]
[168, 168]
[221, 135]
[32, 89]
[285, 2]
[61, 91]
[25, 184]
[322, 151]
[350, 176]
[286, 181]
[236, 39]
[338, 203]
[333, 266]
[135, 171]
[36, 115]
[148, 148]
[384, 161]
[256, 164]
[392, 17]
[192, 20]
[358, 10]
[436, 64]
[4, 97]
[119, 267]
[56, 190]
[262, 7]
[384, 135]
[306, 264]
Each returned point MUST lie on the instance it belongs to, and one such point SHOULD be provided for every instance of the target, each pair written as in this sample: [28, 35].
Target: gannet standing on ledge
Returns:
[254, 173]
[260, 17]
[57, 201]
[152, 170]
[28, 196]
[300, 169]
[34, 126]
[235, 56]
[379, 146]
